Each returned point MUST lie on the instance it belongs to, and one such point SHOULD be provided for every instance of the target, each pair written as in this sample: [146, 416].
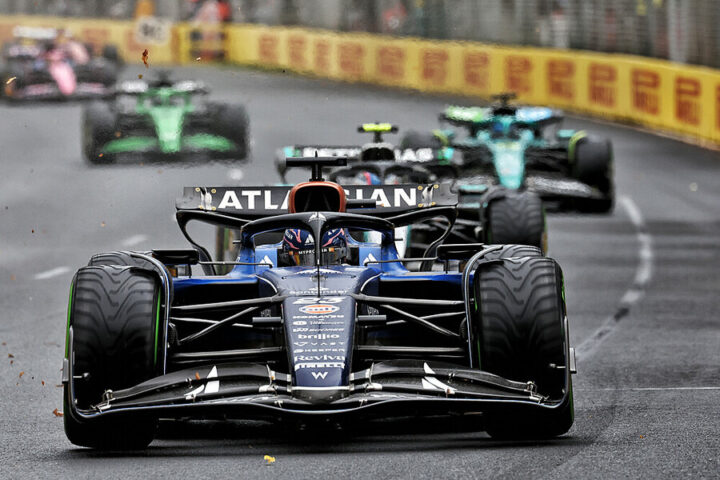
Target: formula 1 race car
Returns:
[489, 214]
[522, 148]
[332, 329]
[48, 64]
[163, 120]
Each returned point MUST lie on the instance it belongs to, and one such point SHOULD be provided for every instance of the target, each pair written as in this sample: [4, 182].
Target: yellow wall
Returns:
[655, 93]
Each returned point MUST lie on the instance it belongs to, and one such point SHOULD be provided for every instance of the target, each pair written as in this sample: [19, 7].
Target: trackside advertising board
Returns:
[656, 93]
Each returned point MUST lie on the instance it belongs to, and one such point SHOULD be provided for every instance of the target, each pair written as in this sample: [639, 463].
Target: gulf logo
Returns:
[319, 309]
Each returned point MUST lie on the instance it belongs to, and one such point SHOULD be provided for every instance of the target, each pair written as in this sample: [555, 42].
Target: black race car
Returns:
[48, 64]
[486, 213]
[316, 330]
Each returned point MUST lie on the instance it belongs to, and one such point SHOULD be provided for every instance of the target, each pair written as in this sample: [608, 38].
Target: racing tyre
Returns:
[233, 123]
[516, 217]
[414, 139]
[98, 129]
[593, 165]
[521, 335]
[113, 316]
[110, 53]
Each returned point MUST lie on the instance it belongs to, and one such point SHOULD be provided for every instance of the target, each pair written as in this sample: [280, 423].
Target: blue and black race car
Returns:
[523, 148]
[486, 213]
[313, 324]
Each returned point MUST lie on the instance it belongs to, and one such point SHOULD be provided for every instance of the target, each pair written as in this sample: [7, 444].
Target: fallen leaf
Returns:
[59, 385]
[118, 134]
[10, 355]
[21, 374]
[145, 55]
[140, 76]
[642, 436]
[12, 279]
[100, 155]
[43, 382]
[270, 460]
[12, 361]
[10, 80]
[197, 376]
[57, 413]
[33, 230]
[102, 224]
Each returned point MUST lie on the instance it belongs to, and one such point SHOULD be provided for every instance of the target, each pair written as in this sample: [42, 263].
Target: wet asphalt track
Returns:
[643, 291]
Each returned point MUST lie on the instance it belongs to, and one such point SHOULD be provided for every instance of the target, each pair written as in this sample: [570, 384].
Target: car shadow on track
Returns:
[221, 438]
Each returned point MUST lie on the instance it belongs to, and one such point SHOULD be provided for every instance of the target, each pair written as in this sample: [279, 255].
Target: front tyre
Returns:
[593, 165]
[520, 334]
[114, 316]
[98, 128]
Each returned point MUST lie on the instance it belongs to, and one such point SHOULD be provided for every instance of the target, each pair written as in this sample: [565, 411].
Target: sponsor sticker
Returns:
[319, 309]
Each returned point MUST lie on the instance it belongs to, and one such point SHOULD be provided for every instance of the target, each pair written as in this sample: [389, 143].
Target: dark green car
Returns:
[164, 120]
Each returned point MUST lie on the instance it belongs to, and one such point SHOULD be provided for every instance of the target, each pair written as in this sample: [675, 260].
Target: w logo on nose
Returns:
[319, 375]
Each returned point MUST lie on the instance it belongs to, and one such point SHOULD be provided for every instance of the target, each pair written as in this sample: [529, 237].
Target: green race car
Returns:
[163, 120]
[523, 148]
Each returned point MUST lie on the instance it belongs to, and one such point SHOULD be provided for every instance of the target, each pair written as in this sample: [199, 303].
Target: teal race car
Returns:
[524, 148]
[163, 120]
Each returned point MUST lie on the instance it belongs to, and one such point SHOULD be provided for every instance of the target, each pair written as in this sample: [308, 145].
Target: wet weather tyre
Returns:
[113, 316]
[517, 217]
[414, 139]
[593, 165]
[98, 129]
[233, 123]
[521, 336]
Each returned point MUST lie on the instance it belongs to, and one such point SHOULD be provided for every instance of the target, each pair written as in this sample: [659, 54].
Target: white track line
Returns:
[643, 274]
[648, 389]
[134, 240]
[51, 273]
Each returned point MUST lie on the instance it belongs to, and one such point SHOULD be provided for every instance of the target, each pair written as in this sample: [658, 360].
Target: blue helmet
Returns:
[299, 245]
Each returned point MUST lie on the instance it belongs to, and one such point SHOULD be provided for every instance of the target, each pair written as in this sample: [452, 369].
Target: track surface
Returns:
[642, 289]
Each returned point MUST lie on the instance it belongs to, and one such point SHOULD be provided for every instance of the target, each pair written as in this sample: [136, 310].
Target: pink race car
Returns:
[49, 64]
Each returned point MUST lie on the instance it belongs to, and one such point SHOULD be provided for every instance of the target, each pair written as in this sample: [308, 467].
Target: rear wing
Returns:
[352, 153]
[250, 203]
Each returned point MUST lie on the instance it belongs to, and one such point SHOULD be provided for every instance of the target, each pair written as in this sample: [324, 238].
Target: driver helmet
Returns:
[299, 245]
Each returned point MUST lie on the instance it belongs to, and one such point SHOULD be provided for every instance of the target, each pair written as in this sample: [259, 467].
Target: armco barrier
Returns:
[654, 93]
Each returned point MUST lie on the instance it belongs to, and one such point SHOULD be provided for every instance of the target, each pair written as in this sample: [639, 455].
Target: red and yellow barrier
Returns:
[655, 93]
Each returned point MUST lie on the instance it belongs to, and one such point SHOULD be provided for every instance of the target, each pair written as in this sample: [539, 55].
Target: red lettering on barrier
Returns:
[322, 57]
[268, 48]
[517, 74]
[351, 56]
[476, 69]
[687, 100]
[434, 66]
[602, 84]
[391, 62]
[646, 91]
[561, 75]
[296, 51]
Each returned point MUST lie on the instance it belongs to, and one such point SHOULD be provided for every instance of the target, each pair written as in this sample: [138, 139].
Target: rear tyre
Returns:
[520, 333]
[517, 217]
[232, 123]
[414, 139]
[113, 315]
[99, 128]
[593, 165]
